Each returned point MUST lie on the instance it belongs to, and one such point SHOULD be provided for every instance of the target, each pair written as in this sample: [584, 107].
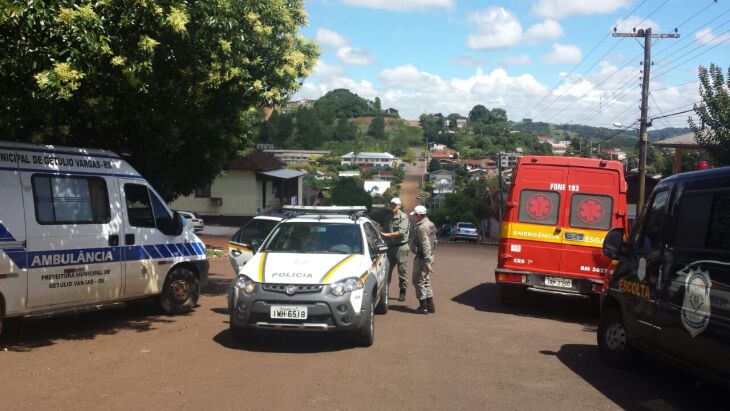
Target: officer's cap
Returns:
[419, 210]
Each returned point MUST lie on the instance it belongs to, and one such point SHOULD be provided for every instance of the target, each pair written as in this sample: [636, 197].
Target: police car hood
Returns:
[290, 268]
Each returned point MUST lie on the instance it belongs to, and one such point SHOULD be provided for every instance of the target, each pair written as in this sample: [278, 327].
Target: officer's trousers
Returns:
[421, 279]
[398, 257]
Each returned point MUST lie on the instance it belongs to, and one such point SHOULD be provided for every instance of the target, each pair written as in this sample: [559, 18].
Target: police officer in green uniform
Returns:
[398, 229]
[424, 243]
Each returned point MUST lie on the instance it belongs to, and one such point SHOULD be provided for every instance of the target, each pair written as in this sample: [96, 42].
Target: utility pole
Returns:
[644, 123]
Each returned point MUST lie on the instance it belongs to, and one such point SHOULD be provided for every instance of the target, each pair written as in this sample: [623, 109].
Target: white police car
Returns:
[324, 269]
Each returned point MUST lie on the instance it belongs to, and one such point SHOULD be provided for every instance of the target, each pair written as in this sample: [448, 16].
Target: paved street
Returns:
[473, 353]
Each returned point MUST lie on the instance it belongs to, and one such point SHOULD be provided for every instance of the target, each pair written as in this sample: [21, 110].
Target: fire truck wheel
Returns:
[613, 340]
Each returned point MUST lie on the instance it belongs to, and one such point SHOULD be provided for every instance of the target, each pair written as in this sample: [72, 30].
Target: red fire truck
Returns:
[557, 213]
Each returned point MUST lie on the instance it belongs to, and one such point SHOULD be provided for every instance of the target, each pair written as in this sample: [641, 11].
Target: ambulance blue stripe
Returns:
[5, 234]
[152, 251]
[188, 249]
[135, 253]
[164, 252]
[63, 173]
[18, 256]
[71, 153]
[86, 256]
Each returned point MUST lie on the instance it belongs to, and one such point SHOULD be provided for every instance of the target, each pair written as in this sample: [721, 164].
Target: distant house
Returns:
[369, 160]
[376, 187]
[545, 139]
[290, 106]
[481, 163]
[442, 182]
[509, 160]
[249, 185]
[437, 146]
[391, 111]
[460, 123]
[297, 157]
[349, 174]
[443, 154]
[480, 174]
[613, 154]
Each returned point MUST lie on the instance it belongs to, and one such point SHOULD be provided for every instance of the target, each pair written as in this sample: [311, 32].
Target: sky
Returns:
[548, 60]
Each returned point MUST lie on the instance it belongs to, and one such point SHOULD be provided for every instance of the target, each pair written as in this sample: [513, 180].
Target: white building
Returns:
[348, 174]
[370, 160]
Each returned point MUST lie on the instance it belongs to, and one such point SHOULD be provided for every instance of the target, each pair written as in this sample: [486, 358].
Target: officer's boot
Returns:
[430, 306]
[402, 295]
[422, 307]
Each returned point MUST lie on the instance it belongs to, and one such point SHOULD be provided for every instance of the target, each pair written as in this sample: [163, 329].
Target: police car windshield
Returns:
[316, 237]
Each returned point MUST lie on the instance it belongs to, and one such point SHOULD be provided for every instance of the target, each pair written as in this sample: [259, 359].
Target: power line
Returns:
[675, 66]
[688, 36]
[582, 60]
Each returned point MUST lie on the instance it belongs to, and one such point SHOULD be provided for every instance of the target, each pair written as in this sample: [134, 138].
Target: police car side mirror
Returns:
[613, 243]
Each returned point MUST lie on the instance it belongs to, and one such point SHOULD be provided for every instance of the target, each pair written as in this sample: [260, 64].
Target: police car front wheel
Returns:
[180, 292]
[613, 340]
[365, 336]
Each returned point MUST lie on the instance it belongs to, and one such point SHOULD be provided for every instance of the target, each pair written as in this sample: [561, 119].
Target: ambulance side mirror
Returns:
[613, 243]
[173, 226]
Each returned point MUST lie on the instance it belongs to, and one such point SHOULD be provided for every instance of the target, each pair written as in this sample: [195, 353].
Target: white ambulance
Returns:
[82, 230]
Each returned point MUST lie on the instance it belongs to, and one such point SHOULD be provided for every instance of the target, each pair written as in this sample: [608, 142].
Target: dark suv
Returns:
[670, 293]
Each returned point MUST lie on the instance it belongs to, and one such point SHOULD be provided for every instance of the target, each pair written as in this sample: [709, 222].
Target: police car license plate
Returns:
[288, 312]
[559, 282]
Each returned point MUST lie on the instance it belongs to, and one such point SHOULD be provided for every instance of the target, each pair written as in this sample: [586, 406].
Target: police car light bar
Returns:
[326, 209]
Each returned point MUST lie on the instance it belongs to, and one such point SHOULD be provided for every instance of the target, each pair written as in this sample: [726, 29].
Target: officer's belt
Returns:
[398, 245]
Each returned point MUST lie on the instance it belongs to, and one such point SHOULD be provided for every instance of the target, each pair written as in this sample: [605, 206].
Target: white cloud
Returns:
[401, 5]
[563, 54]
[496, 28]
[330, 38]
[324, 70]
[520, 59]
[706, 36]
[555, 9]
[470, 61]
[546, 31]
[355, 56]
[635, 22]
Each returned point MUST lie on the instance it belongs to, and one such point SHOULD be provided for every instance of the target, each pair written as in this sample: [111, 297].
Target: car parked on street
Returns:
[464, 231]
[194, 220]
[323, 269]
[248, 238]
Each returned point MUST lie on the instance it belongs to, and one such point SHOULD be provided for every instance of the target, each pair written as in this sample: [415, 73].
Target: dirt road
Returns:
[473, 353]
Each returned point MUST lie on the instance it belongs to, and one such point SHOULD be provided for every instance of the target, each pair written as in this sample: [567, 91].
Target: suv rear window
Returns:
[539, 207]
[591, 211]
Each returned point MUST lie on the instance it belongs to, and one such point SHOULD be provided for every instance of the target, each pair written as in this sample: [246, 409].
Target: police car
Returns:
[323, 269]
[81, 229]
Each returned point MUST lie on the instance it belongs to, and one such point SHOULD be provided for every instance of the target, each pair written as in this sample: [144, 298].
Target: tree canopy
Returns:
[174, 85]
[341, 103]
[714, 113]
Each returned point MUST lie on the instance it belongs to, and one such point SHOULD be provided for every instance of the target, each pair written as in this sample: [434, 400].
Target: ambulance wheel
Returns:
[180, 292]
[365, 336]
[382, 307]
[511, 294]
[613, 340]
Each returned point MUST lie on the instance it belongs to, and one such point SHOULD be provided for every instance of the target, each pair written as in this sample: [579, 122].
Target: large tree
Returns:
[175, 85]
[714, 113]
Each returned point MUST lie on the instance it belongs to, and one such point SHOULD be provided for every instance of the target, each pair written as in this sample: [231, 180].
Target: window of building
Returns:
[70, 200]
[203, 192]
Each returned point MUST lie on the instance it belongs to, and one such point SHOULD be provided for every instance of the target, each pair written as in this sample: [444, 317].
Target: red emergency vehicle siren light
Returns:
[701, 165]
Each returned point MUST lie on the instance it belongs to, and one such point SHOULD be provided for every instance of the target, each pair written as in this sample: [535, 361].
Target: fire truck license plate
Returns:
[559, 282]
[289, 312]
